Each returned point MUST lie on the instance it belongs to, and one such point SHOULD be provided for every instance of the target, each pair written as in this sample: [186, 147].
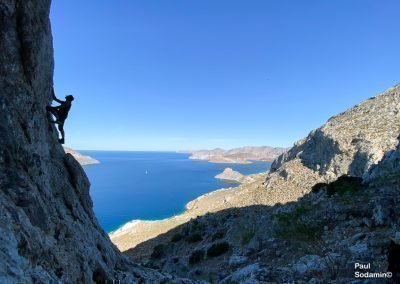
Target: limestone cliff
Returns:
[387, 172]
[348, 144]
[48, 232]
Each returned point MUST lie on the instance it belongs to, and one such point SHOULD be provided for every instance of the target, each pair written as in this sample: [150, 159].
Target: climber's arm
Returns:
[54, 96]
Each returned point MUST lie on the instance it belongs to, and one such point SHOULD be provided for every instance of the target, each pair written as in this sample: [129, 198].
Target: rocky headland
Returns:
[242, 155]
[82, 159]
[330, 201]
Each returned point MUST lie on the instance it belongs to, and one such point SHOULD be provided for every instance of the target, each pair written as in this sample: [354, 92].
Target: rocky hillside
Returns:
[329, 202]
[387, 172]
[48, 231]
[82, 159]
[348, 144]
[240, 155]
[316, 239]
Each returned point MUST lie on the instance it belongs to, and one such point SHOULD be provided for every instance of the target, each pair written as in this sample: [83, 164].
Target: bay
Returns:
[151, 185]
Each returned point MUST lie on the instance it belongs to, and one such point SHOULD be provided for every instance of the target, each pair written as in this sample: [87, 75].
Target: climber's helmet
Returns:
[69, 98]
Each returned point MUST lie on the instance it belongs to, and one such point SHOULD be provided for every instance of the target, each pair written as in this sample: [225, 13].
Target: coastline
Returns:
[222, 161]
[137, 231]
[241, 155]
[82, 159]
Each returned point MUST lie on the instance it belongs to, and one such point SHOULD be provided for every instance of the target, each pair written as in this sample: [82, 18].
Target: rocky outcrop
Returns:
[241, 155]
[350, 143]
[229, 174]
[82, 159]
[387, 172]
[48, 231]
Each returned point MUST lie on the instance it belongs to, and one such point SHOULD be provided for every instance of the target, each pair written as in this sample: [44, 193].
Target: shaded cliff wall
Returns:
[350, 143]
[48, 231]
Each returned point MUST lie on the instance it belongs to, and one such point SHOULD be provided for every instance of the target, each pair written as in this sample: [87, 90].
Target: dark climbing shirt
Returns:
[63, 110]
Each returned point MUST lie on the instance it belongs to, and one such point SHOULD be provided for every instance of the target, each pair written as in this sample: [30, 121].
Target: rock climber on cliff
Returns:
[60, 112]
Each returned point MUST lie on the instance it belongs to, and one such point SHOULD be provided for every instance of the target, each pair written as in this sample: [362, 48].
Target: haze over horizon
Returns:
[177, 75]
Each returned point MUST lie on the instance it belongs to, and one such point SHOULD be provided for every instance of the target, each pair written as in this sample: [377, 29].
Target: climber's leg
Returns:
[61, 129]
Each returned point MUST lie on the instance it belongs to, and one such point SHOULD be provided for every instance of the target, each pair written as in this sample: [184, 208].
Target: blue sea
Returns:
[151, 185]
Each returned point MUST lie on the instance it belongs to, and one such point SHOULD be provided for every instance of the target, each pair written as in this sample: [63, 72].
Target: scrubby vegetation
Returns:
[296, 225]
[247, 235]
[344, 185]
[218, 235]
[194, 238]
[196, 256]
[158, 251]
[318, 187]
[218, 249]
[176, 238]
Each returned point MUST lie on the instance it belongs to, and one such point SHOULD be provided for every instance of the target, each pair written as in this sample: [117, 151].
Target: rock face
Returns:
[387, 172]
[48, 232]
[229, 174]
[348, 144]
[241, 155]
[82, 159]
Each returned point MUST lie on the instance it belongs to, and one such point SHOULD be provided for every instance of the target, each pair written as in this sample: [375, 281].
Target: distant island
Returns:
[230, 174]
[242, 155]
[82, 159]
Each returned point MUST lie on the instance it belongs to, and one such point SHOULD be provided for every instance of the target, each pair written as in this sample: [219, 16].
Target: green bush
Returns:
[344, 185]
[247, 235]
[176, 238]
[196, 226]
[158, 251]
[186, 230]
[194, 238]
[218, 249]
[317, 188]
[196, 256]
[218, 235]
[293, 225]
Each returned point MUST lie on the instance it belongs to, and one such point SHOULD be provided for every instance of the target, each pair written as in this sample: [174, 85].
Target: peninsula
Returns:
[82, 159]
[242, 155]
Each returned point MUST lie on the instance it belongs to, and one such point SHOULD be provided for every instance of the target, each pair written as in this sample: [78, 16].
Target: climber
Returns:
[60, 113]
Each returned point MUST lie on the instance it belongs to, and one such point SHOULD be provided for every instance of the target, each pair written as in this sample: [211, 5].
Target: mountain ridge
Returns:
[241, 155]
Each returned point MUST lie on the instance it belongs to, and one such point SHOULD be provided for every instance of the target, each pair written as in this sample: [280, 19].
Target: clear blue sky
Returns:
[180, 74]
